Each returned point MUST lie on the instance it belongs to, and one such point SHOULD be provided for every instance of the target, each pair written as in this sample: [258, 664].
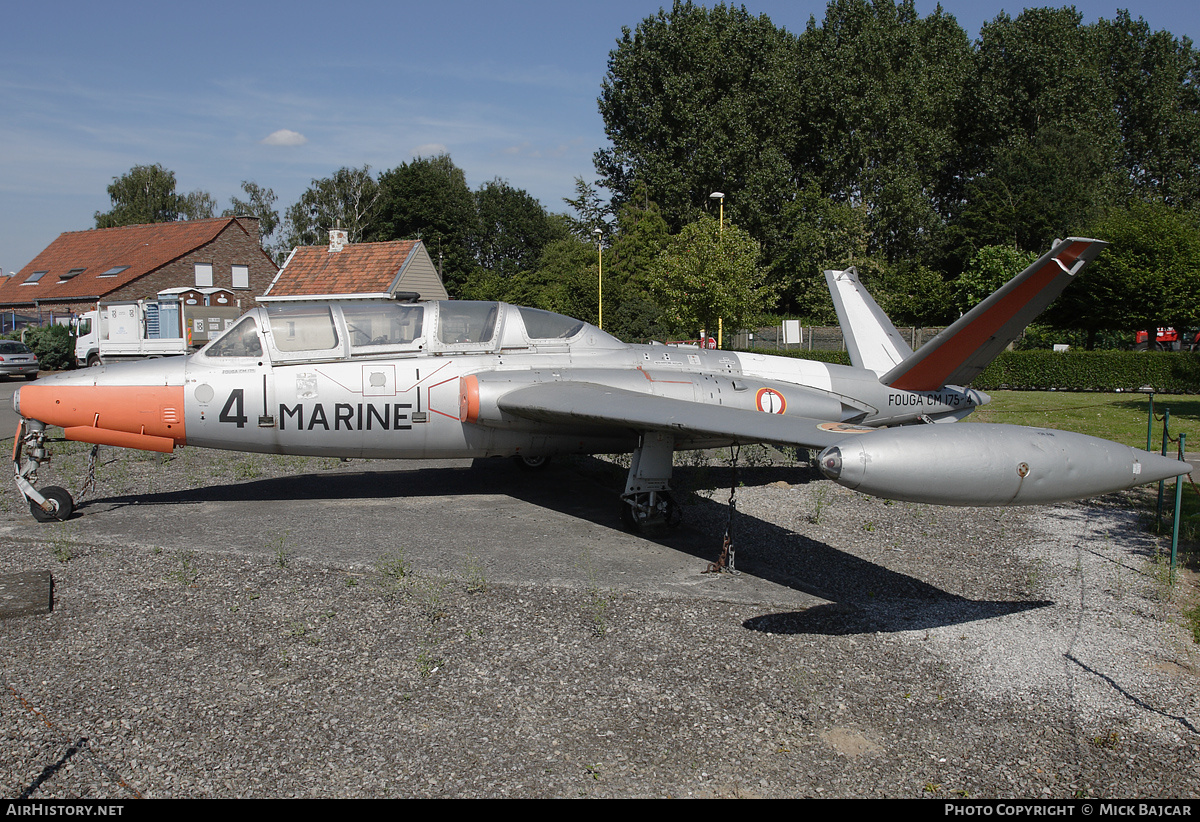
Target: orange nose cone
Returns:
[146, 417]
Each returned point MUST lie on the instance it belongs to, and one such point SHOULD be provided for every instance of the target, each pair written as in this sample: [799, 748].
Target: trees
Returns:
[1048, 185]
[990, 268]
[1154, 80]
[929, 146]
[259, 203]
[346, 200]
[695, 101]
[564, 280]
[876, 121]
[1149, 276]
[512, 230]
[707, 274]
[428, 198]
[146, 194]
[820, 233]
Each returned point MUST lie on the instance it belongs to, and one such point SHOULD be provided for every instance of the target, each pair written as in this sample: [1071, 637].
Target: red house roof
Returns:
[83, 265]
[357, 268]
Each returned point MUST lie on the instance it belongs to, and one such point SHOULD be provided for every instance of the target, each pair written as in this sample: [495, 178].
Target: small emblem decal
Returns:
[770, 401]
[844, 428]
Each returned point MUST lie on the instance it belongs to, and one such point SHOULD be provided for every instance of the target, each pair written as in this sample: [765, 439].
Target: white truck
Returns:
[139, 329]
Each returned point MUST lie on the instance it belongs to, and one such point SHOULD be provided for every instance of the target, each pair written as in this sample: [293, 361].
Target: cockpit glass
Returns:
[302, 327]
[466, 321]
[383, 324]
[240, 341]
[546, 325]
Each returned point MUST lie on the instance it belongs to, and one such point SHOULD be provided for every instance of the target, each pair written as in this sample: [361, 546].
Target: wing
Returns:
[577, 403]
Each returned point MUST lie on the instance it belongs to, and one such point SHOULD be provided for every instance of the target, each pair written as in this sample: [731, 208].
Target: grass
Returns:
[1117, 417]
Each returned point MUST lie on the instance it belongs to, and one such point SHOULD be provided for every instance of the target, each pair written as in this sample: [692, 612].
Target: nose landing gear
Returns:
[51, 504]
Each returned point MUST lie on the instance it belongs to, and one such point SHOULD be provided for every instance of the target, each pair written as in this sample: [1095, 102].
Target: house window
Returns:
[114, 271]
[204, 275]
[72, 274]
[34, 277]
[241, 276]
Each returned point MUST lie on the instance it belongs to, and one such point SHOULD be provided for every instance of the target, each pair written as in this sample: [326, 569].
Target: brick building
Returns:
[81, 268]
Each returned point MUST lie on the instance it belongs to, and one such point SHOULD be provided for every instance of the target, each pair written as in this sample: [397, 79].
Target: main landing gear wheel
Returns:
[60, 499]
[532, 463]
[650, 508]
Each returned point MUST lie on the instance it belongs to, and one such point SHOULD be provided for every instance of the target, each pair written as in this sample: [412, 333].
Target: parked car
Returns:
[16, 360]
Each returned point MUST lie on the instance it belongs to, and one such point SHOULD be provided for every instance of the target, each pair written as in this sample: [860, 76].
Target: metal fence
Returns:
[816, 338]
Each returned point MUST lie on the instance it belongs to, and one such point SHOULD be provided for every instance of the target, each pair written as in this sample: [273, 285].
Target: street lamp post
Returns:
[600, 272]
[720, 197]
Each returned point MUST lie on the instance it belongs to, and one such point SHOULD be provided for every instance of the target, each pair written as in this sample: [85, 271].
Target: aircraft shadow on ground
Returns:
[864, 597]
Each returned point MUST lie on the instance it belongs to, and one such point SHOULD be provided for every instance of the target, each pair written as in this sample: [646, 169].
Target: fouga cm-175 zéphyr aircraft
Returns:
[389, 379]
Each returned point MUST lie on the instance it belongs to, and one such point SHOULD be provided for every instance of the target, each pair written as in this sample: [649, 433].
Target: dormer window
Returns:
[72, 274]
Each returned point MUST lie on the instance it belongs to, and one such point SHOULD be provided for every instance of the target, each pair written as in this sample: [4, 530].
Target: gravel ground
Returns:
[1010, 653]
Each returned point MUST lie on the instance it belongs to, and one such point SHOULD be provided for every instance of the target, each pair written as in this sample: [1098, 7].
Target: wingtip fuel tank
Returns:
[981, 464]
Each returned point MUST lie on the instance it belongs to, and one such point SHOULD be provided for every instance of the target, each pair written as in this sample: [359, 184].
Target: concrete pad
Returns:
[26, 594]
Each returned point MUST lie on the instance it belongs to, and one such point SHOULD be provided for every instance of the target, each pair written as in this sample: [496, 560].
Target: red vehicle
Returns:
[1167, 339]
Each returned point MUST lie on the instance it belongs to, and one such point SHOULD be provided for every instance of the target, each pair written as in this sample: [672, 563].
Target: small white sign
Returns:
[792, 335]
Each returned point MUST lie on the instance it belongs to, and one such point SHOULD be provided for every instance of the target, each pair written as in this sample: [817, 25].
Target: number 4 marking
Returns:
[236, 403]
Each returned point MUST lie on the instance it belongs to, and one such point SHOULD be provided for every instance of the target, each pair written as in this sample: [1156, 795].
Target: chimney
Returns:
[337, 239]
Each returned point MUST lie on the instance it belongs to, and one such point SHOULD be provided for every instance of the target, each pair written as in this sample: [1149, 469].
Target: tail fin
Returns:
[871, 339]
[961, 351]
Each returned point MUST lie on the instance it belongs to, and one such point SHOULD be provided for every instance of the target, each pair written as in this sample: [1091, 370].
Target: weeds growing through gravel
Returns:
[282, 554]
[246, 469]
[1035, 574]
[597, 602]
[429, 593]
[392, 564]
[1160, 573]
[1191, 621]
[820, 503]
[391, 569]
[61, 546]
[428, 663]
[185, 573]
[475, 574]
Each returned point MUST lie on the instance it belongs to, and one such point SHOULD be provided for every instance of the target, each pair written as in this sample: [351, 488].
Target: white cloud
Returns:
[284, 137]
[430, 150]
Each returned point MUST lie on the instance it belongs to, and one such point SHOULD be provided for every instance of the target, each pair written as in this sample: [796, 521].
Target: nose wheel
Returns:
[59, 501]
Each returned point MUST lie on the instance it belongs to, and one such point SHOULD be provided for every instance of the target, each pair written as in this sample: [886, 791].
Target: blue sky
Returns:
[88, 90]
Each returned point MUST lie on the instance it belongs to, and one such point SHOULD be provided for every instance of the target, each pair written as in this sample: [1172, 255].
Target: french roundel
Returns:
[771, 401]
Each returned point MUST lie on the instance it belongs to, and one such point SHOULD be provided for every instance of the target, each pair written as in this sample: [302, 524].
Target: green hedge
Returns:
[1167, 372]
[836, 357]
